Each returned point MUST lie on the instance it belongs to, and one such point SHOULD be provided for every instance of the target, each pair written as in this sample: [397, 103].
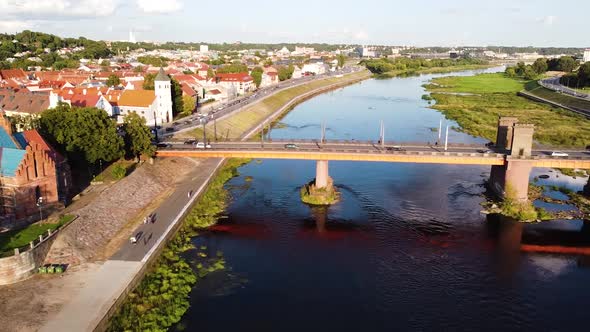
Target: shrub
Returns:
[118, 172]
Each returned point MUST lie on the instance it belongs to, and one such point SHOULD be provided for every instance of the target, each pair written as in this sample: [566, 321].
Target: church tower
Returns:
[163, 96]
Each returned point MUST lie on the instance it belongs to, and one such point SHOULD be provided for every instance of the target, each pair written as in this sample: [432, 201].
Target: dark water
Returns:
[405, 249]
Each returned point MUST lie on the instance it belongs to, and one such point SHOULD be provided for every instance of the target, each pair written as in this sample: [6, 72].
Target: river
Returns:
[406, 248]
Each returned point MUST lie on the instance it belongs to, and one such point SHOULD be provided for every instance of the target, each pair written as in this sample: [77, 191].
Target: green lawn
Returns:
[19, 238]
[495, 96]
[483, 83]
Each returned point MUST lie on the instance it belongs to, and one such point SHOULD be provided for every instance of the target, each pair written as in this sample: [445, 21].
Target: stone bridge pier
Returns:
[512, 178]
[322, 176]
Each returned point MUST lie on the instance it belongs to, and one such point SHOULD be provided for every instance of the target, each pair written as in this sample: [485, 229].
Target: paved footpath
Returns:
[87, 308]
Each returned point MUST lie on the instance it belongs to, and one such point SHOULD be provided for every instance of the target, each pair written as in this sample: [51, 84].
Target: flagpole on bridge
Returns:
[447, 138]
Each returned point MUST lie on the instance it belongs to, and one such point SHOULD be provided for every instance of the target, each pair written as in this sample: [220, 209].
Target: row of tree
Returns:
[541, 66]
[87, 135]
[580, 79]
[382, 65]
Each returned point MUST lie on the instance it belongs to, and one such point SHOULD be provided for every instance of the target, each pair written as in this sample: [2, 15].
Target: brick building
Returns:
[31, 172]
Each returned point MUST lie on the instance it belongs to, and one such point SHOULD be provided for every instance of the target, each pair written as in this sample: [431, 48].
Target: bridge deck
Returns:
[382, 156]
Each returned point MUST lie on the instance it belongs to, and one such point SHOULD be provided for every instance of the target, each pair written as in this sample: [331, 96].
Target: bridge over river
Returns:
[511, 158]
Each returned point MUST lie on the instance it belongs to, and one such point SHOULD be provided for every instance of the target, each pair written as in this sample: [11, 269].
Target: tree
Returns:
[148, 82]
[138, 69]
[567, 64]
[85, 134]
[177, 101]
[540, 66]
[105, 63]
[530, 73]
[113, 80]
[520, 68]
[257, 76]
[584, 74]
[510, 72]
[138, 137]
[341, 60]
[210, 72]
[233, 68]
[189, 104]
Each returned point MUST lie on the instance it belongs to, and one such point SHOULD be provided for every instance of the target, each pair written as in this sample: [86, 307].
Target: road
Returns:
[219, 111]
[368, 147]
[148, 234]
[552, 83]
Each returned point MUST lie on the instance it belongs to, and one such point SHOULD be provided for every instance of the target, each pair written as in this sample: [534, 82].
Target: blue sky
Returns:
[420, 23]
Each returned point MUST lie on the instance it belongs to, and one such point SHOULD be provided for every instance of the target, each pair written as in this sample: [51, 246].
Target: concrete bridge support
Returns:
[512, 179]
[321, 174]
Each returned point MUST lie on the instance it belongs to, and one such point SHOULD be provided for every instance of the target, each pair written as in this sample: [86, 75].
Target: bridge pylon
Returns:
[512, 178]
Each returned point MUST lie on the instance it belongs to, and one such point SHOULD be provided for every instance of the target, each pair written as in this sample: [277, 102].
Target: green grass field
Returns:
[495, 96]
[483, 83]
[20, 238]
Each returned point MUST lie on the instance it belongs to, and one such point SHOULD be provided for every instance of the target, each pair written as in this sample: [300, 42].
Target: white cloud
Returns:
[159, 6]
[12, 26]
[360, 35]
[548, 20]
[55, 9]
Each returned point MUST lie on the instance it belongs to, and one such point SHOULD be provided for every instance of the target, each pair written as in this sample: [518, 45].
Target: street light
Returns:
[39, 205]
[203, 121]
[155, 126]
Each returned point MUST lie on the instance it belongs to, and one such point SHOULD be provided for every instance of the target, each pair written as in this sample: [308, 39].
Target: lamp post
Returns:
[204, 122]
[155, 125]
[39, 205]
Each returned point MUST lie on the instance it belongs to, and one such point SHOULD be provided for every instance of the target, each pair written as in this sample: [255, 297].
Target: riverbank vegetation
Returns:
[476, 102]
[385, 68]
[162, 297]
[319, 196]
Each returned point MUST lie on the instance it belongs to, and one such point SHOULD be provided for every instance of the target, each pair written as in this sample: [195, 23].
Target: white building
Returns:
[154, 106]
[587, 55]
[204, 48]
[242, 82]
[317, 68]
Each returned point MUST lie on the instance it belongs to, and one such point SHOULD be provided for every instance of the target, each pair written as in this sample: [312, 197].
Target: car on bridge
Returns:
[558, 154]
[202, 145]
[190, 141]
[291, 146]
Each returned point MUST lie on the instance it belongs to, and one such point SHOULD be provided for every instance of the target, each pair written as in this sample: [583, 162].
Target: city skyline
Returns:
[454, 23]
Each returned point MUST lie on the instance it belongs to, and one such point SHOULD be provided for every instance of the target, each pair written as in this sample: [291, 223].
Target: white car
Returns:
[202, 145]
[558, 154]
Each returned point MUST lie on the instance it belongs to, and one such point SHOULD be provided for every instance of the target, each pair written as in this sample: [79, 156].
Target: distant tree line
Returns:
[382, 65]
[540, 66]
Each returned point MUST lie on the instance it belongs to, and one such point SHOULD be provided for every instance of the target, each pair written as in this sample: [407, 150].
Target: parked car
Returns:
[187, 122]
[162, 145]
[558, 154]
[291, 146]
[169, 129]
[202, 145]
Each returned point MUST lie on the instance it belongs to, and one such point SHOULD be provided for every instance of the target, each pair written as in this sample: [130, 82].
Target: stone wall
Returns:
[23, 265]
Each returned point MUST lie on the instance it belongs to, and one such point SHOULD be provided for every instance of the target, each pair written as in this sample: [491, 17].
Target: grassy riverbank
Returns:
[476, 102]
[162, 297]
[237, 124]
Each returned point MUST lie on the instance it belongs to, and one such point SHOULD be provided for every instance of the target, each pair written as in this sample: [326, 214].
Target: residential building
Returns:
[587, 55]
[241, 82]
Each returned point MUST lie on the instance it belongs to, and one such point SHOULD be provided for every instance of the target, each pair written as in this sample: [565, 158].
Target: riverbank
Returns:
[243, 121]
[476, 102]
[435, 70]
[161, 298]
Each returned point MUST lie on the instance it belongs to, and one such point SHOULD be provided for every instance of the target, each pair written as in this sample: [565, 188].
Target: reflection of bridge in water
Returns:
[512, 157]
